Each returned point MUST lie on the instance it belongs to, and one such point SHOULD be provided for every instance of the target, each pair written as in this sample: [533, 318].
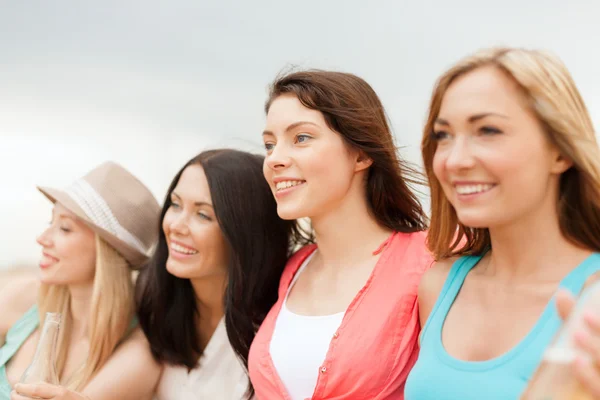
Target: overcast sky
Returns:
[149, 84]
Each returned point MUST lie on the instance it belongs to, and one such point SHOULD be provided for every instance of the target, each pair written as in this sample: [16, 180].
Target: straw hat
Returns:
[117, 206]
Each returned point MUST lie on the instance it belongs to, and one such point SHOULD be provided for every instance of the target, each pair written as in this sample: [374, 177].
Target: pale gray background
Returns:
[150, 83]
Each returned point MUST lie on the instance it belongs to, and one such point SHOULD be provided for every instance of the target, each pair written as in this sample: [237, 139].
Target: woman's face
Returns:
[493, 158]
[197, 247]
[308, 166]
[68, 250]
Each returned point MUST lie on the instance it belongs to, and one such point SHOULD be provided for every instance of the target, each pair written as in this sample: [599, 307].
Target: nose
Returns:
[44, 238]
[179, 224]
[460, 155]
[278, 158]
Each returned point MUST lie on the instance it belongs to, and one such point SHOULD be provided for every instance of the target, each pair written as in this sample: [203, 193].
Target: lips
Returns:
[180, 248]
[282, 185]
[472, 188]
[47, 260]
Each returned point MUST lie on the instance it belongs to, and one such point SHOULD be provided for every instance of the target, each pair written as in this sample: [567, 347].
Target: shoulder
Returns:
[291, 267]
[131, 372]
[431, 286]
[16, 298]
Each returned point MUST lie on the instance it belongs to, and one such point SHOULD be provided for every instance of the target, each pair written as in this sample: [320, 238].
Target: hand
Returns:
[587, 370]
[44, 391]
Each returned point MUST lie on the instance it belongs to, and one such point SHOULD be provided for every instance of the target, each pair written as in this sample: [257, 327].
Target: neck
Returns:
[533, 248]
[80, 308]
[348, 232]
[209, 294]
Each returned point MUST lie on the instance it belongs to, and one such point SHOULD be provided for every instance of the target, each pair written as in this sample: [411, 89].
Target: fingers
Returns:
[589, 376]
[40, 390]
[564, 303]
[15, 396]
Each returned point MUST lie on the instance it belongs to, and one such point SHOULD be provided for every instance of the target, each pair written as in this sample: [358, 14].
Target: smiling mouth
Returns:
[183, 249]
[279, 186]
[473, 188]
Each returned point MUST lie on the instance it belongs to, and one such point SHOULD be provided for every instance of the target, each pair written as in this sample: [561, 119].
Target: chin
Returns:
[475, 220]
[180, 270]
[290, 213]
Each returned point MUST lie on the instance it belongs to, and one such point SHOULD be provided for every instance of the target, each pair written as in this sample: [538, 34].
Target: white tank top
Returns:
[299, 345]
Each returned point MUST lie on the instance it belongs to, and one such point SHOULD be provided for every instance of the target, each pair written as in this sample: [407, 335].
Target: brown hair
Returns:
[352, 109]
[551, 94]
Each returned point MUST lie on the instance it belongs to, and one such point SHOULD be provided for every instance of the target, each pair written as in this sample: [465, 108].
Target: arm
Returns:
[131, 373]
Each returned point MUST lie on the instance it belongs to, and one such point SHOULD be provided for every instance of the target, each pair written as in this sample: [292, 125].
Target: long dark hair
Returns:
[259, 243]
[352, 109]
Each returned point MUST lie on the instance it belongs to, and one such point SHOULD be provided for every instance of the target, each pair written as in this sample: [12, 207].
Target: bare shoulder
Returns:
[136, 344]
[131, 372]
[431, 285]
[16, 298]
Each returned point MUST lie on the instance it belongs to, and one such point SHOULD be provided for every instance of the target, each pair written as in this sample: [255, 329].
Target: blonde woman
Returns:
[102, 226]
[514, 168]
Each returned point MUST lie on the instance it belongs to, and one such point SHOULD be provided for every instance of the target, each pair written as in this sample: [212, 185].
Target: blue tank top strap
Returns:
[577, 278]
[18, 334]
[454, 281]
[15, 337]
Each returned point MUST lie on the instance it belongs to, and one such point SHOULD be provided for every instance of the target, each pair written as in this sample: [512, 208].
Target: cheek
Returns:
[166, 222]
[438, 166]
[267, 172]
[79, 260]
[210, 242]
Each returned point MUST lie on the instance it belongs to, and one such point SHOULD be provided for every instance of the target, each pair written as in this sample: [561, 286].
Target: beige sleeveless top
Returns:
[219, 375]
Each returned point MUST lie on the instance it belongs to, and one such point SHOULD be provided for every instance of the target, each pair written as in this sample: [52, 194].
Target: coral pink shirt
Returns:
[375, 347]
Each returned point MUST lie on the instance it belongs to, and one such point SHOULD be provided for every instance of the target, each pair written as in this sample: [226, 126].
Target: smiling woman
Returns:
[99, 231]
[514, 169]
[346, 322]
[213, 276]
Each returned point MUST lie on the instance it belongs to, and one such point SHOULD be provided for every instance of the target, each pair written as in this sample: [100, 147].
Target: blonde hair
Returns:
[112, 310]
[551, 94]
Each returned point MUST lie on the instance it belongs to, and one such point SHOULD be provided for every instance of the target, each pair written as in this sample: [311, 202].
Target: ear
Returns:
[362, 162]
[561, 164]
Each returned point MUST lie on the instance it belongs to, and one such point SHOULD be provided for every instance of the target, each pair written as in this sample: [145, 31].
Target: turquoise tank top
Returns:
[439, 376]
[15, 337]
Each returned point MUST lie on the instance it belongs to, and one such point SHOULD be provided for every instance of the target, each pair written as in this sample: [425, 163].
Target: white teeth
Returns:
[472, 189]
[287, 184]
[181, 249]
[48, 259]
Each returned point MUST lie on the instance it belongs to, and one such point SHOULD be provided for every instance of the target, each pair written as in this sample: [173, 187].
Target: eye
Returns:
[65, 229]
[204, 216]
[489, 130]
[439, 135]
[174, 205]
[269, 146]
[302, 138]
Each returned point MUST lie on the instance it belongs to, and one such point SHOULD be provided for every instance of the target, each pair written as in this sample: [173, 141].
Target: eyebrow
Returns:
[472, 118]
[292, 126]
[197, 203]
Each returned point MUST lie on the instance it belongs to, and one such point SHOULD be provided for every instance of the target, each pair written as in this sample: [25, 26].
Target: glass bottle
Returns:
[555, 378]
[43, 367]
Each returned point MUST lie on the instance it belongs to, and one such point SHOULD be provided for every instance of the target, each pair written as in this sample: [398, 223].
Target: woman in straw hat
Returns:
[102, 227]
[213, 276]
[514, 169]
